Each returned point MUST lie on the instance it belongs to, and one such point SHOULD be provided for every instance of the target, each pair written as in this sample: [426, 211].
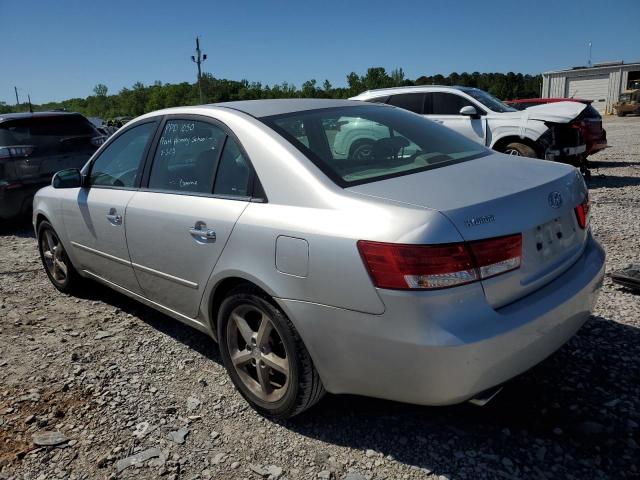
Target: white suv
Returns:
[545, 131]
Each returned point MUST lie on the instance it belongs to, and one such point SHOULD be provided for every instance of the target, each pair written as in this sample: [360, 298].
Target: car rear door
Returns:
[94, 215]
[444, 108]
[196, 188]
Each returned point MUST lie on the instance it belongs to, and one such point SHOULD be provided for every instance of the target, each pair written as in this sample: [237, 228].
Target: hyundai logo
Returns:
[555, 200]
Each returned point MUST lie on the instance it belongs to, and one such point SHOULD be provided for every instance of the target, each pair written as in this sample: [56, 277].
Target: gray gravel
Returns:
[131, 390]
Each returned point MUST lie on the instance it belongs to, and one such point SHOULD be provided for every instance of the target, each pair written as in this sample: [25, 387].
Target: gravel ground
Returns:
[113, 379]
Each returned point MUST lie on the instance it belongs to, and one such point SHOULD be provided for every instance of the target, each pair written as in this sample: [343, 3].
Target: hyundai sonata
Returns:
[428, 269]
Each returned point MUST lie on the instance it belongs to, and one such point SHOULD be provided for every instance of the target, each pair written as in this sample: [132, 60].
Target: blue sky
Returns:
[61, 49]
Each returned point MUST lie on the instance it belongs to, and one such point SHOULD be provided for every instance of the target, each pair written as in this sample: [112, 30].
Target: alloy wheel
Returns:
[513, 152]
[258, 353]
[54, 256]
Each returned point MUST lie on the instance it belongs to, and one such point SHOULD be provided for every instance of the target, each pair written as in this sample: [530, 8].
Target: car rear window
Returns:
[44, 131]
[362, 144]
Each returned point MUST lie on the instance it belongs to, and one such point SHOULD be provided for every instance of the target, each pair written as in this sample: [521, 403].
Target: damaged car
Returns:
[551, 132]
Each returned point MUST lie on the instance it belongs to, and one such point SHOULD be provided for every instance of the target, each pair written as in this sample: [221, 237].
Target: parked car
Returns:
[590, 123]
[34, 146]
[548, 131]
[429, 271]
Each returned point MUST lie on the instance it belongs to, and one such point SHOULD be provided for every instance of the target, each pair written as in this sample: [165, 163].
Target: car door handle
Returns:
[200, 230]
[114, 217]
[439, 121]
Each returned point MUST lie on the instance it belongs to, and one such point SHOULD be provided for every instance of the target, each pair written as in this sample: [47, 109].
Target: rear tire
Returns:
[519, 150]
[55, 260]
[267, 362]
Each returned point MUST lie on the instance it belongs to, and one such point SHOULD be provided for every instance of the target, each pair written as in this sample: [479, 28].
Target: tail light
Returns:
[429, 267]
[16, 151]
[582, 212]
[97, 141]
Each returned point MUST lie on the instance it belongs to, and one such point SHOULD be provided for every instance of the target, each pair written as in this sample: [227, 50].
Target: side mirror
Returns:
[70, 178]
[469, 111]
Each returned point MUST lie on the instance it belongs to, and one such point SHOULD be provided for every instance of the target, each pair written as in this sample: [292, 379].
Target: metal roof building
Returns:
[602, 83]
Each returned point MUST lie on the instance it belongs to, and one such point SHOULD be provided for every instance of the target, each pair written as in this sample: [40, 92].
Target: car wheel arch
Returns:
[41, 217]
[220, 292]
[502, 142]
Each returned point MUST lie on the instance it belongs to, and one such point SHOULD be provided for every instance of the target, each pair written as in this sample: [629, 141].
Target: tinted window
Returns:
[118, 164]
[373, 142]
[448, 103]
[186, 157]
[46, 132]
[233, 173]
[409, 101]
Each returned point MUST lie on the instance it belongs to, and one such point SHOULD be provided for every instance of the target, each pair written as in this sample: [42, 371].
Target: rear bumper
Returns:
[443, 347]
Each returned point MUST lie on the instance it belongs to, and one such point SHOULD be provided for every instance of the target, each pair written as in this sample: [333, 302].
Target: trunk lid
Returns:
[501, 195]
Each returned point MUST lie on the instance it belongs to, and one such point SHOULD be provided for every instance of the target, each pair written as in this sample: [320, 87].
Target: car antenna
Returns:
[30, 106]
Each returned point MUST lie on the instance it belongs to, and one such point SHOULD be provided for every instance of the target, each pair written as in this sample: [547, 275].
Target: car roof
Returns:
[267, 108]
[16, 116]
[379, 92]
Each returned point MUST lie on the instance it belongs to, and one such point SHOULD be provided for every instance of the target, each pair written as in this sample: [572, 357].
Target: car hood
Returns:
[558, 112]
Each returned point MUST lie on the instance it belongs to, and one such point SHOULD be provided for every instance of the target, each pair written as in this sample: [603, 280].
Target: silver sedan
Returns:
[416, 266]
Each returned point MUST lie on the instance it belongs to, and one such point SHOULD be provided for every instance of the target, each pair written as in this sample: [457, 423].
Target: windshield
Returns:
[488, 100]
[355, 145]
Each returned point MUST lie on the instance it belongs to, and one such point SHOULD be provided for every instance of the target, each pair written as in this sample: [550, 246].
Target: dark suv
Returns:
[34, 146]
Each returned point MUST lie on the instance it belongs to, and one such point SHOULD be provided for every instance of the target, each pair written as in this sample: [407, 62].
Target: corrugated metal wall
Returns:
[554, 84]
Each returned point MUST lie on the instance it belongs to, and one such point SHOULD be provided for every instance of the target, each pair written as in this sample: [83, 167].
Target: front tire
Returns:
[264, 355]
[55, 260]
[361, 149]
[519, 150]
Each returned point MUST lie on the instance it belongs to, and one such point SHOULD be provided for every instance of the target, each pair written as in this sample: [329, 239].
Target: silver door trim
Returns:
[101, 254]
[166, 276]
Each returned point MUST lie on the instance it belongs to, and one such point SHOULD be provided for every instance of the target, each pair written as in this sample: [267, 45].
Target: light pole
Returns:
[198, 58]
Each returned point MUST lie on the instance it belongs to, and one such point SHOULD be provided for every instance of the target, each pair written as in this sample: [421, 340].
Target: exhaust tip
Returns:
[484, 397]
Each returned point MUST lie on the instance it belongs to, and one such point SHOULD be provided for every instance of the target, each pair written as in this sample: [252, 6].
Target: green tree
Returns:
[100, 90]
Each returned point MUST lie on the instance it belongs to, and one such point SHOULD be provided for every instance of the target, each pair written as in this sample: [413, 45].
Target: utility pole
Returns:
[17, 99]
[30, 106]
[198, 58]
[589, 62]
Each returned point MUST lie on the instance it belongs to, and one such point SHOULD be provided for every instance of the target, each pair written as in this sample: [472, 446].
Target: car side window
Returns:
[186, 157]
[409, 101]
[448, 103]
[234, 173]
[378, 99]
[119, 163]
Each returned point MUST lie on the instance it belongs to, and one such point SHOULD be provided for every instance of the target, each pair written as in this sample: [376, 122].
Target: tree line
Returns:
[142, 98]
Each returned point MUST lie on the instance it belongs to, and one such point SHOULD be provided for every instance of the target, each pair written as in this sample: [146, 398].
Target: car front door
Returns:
[444, 108]
[197, 188]
[94, 216]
